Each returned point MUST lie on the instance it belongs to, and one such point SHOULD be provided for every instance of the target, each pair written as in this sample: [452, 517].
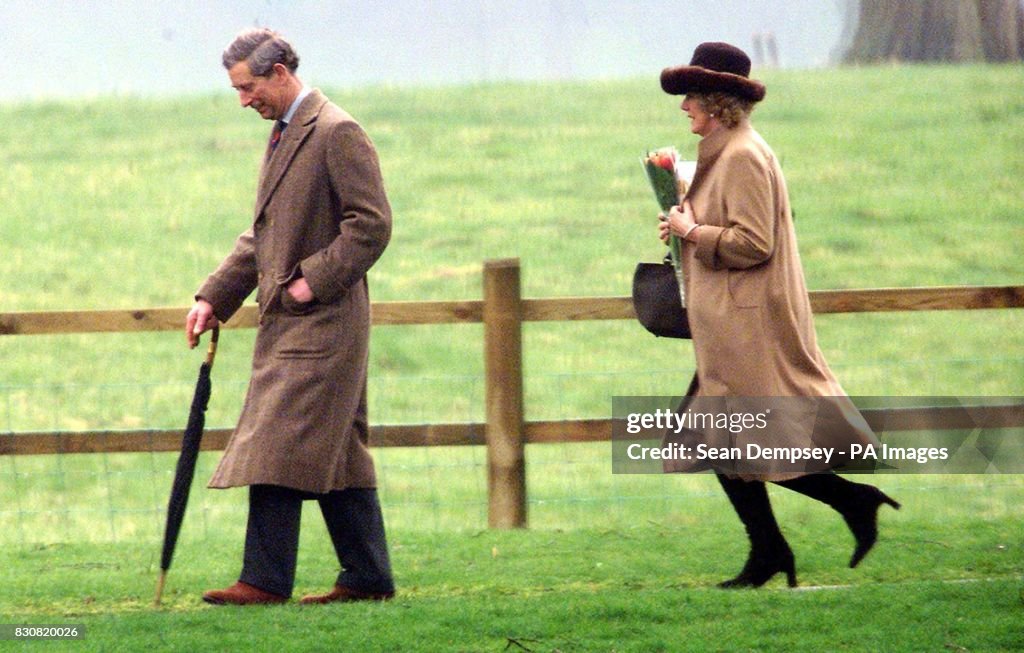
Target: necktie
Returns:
[275, 135]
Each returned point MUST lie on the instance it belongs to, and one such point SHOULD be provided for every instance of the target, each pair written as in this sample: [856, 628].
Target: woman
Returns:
[749, 311]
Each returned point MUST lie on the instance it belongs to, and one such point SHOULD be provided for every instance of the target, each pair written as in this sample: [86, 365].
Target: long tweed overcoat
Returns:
[747, 301]
[322, 213]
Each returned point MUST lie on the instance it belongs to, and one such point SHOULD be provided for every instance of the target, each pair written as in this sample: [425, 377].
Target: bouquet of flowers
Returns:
[669, 178]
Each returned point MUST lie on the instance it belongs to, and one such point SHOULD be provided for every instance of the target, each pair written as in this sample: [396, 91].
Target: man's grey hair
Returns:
[261, 48]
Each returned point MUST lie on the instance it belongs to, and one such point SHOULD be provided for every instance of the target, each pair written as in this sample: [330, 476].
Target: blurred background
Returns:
[166, 47]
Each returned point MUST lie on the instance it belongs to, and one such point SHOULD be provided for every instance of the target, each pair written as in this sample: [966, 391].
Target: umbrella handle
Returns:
[211, 351]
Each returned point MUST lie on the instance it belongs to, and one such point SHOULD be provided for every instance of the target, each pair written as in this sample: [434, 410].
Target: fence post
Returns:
[503, 369]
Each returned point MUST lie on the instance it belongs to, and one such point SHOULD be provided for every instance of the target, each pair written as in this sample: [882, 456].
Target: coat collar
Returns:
[301, 125]
[710, 149]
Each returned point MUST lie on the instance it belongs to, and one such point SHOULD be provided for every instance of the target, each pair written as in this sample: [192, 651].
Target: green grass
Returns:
[899, 176]
[945, 575]
[610, 563]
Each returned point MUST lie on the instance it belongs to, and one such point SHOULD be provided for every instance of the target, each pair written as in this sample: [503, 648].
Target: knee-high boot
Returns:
[858, 503]
[769, 551]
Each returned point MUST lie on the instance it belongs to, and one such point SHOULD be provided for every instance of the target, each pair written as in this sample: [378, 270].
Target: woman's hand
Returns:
[664, 231]
[680, 221]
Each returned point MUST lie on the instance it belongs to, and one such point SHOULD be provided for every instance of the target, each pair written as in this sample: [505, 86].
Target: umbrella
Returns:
[186, 467]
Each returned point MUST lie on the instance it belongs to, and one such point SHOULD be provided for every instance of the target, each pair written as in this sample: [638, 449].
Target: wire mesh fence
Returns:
[571, 371]
[122, 497]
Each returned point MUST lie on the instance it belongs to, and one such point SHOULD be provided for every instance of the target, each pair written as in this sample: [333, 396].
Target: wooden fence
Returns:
[502, 311]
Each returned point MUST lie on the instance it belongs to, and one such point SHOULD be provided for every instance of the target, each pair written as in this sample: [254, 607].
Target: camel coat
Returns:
[321, 213]
[747, 302]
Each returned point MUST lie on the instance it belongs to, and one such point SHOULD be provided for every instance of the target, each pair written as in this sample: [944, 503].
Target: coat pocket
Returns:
[309, 336]
[747, 287]
[304, 350]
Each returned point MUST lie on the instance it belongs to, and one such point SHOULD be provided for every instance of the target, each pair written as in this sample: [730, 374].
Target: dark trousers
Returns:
[355, 524]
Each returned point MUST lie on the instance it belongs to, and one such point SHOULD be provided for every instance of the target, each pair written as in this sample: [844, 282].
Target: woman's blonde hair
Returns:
[729, 109]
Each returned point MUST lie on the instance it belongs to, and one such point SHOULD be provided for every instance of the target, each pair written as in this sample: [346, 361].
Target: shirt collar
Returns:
[295, 104]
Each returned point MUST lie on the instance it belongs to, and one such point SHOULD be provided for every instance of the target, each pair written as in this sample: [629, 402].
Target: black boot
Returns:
[769, 552]
[858, 503]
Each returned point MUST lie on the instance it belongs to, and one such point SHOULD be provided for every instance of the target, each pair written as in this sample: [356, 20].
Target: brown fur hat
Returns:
[715, 67]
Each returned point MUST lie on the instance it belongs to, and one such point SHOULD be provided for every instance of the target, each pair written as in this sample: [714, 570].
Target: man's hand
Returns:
[300, 291]
[200, 320]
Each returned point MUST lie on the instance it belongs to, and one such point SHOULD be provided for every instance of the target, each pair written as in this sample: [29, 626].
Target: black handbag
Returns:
[656, 300]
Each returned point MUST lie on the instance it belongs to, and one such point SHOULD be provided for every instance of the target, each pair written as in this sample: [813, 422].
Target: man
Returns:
[321, 220]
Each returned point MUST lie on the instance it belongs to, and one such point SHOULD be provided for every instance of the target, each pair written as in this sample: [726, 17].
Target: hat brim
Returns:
[681, 80]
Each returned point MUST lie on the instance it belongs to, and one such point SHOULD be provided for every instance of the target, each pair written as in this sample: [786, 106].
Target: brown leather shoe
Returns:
[242, 594]
[342, 594]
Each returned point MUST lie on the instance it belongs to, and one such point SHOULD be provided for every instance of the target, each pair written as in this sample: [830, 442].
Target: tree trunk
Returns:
[937, 30]
[1001, 29]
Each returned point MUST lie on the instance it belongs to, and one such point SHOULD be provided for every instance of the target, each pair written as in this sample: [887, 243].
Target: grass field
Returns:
[631, 573]
[894, 184]
[899, 176]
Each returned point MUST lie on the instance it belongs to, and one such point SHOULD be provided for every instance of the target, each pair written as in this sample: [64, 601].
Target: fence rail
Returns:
[562, 309]
[502, 311]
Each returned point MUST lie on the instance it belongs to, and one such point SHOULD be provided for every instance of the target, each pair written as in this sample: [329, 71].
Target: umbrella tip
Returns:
[159, 589]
